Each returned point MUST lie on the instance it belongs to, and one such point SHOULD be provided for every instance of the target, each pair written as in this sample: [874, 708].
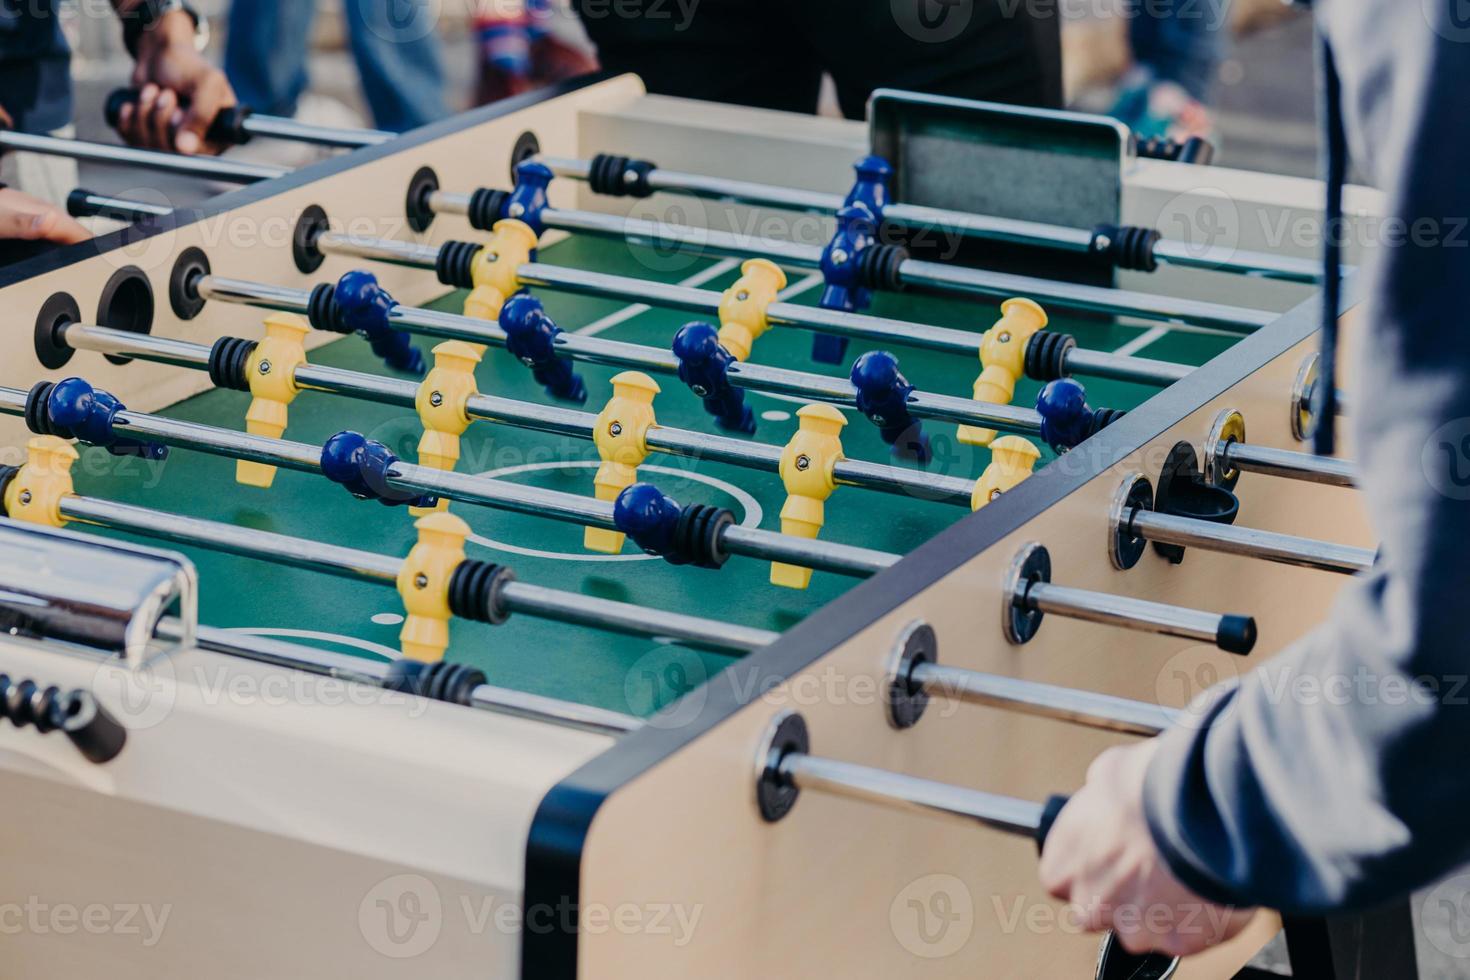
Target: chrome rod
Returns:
[1044, 700]
[359, 670]
[385, 250]
[952, 278]
[280, 127]
[622, 617]
[245, 542]
[484, 491]
[1286, 549]
[560, 421]
[1285, 463]
[810, 772]
[1095, 299]
[85, 204]
[615, 353]
[1118, 302]
[860, 326]
[522, 597]
[1259, 264]
[212, 168]
[1236, 634]
[1262, 265]
[161, 350]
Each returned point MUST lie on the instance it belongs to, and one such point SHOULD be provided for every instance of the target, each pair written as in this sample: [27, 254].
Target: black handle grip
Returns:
[1050, 810]
[96, 734]
[227, 129]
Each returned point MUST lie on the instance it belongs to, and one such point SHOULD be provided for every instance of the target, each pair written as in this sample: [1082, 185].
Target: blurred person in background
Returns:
[394, 43]
[520, 51]
[1177, 48]
[181, 92]
[772, 54]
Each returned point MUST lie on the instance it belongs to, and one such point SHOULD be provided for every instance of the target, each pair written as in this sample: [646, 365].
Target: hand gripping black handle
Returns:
[227, 129]
[1115, 963]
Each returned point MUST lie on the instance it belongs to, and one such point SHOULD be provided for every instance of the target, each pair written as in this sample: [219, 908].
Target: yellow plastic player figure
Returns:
[621, 439]
[1011, 460]
[423, 582]
[743, 306]
[441, 407]
[34, 496]
[271, 372]
[494, 269]
[1003, 360]
[807, 465]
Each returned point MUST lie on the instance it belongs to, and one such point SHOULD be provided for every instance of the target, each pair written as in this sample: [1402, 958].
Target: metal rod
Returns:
[1286, 549]
[281, 549]
[860, 326]
[526, 415]
[212, 168]
[484, 491]
[359, 670]
[1259, 264]
[280, 127]
[1095, 299]
[85, 204]
[522, 597]
[623, 617]
[1135, 614]
[1045, 700]
[1117, 302]
[892, 789]
[597, 350]
[1285, 463]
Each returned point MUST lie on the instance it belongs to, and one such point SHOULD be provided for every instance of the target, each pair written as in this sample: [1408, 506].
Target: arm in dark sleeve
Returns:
[1356, 793]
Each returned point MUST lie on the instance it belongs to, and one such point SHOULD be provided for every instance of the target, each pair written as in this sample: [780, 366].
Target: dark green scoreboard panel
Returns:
[575, 663]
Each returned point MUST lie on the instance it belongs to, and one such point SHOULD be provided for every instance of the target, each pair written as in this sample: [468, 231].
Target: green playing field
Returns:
[548, 658]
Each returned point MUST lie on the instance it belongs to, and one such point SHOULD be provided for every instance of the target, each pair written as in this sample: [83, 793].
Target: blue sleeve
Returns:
[1330, 779]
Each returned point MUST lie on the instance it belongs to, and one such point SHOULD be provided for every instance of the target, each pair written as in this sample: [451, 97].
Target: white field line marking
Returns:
[638, 309]
[1141, 341]
[333, 638]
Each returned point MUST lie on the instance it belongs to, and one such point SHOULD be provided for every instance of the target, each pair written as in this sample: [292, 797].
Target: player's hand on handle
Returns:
[179, 91]
[23, 218]
[1100, 857]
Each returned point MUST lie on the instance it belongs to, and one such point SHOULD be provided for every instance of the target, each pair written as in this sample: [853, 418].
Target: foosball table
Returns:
[598, 536]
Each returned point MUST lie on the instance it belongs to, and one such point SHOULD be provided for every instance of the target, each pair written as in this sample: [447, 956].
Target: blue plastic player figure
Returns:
[650, 517]
[362, 465]
[704, 365]
[871, 187]
[883, 396]
[528, 199]
[76, 410]
[842, 262]
[365, 309]
[530, 335]
[1066, 419]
